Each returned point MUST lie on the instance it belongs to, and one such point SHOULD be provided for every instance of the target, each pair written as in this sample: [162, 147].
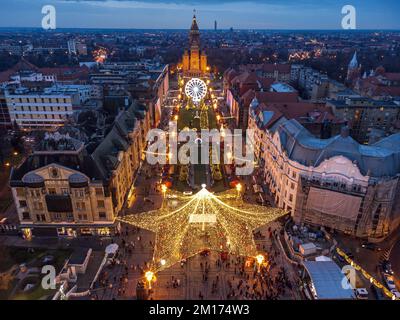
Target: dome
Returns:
[78, 180]
[33, 180]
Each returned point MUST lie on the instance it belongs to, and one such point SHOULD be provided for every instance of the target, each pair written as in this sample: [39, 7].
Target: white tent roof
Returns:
[327, 279]
[112, 248]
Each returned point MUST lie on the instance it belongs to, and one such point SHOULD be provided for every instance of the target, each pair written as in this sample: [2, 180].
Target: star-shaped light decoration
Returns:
[187, 225]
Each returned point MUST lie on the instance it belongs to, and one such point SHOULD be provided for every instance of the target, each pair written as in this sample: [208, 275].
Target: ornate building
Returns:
[65, 189]
[336, 182]
[194, 61]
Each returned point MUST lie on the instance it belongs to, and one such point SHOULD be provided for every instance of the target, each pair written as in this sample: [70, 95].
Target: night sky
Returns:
[176, 14]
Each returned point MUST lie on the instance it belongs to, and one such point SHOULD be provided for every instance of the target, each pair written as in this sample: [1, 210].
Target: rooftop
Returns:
[327, 279]
[381, 159]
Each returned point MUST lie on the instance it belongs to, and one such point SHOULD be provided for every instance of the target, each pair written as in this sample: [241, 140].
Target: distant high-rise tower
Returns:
[215, 25]
[194, 61]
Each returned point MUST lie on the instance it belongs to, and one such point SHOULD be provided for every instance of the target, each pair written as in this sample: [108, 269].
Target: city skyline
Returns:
[173, 14]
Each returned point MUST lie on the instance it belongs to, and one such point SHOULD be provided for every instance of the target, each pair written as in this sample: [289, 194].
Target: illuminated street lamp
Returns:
[149, 275]
[218, 117]
[260, 260]
[164, 189]
[163, 262]
[238, 188]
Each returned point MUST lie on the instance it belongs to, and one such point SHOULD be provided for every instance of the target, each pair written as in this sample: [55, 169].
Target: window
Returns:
[38, 205]
[26, 216]
[70, 216]
[52, 191]
[20, 192]
[102, 215]
[99, 192]
[79, 193]
[291, 198]
[64, 191]
[100, 203]
[22, 203]
[40, 217]
[57, 216]
[81, 206]
[82, 216]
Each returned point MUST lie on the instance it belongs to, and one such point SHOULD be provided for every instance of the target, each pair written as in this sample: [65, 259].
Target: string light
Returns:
[371, 279]
[187, 225]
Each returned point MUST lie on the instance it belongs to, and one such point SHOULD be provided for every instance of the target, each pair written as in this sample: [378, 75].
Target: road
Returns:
[395, 261]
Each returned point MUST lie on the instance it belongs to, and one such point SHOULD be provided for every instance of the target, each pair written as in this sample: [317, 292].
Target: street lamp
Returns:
[238, 189]
[260, 260]
[164, 189]
[149, 275]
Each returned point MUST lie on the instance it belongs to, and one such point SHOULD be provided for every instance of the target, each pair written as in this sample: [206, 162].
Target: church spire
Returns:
[354, 63]
[194, 26]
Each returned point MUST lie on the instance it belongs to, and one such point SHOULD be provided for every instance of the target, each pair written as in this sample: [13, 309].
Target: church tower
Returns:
[194, 61]
[353, 70]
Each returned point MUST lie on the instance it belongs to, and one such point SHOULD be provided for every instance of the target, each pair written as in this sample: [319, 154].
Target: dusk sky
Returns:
[176, 14]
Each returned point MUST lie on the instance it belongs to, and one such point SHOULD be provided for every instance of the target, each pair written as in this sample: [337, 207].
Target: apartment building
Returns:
[63, 190]
[335, 183]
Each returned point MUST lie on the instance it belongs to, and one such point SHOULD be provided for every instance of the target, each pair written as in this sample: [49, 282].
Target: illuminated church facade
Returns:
[194, 60]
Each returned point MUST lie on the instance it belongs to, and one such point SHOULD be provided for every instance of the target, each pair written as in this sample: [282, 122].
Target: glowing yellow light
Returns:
[163, 262]
[176, 117]
[15, 153]
[164, 188]
[182, 222]
[239, 187]
[218, 117]
[229, 155]
[149, 275]
[260, 259]
[7, 164]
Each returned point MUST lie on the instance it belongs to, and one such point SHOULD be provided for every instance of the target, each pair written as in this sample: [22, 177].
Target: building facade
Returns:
[38, 111]
[63, 190]
[365, 114]
[335, 183]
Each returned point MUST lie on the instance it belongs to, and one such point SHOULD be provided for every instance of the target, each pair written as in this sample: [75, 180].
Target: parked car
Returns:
[361, 294]
[387, 268]
[389, 281]
[371, 246]
[396, 293]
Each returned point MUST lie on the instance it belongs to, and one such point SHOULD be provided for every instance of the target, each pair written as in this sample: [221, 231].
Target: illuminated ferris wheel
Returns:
[196, 89]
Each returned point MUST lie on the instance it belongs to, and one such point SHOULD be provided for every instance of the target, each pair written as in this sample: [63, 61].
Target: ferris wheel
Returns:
[196, 89]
